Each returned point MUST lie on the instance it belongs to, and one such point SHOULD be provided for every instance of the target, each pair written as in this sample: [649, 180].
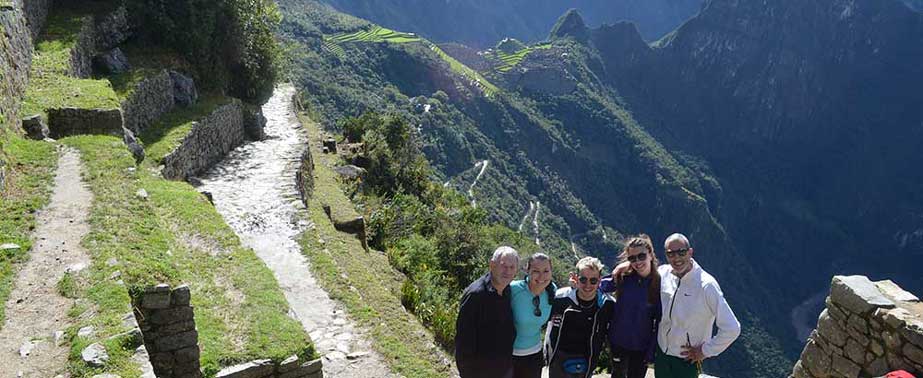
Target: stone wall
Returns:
[304, 178]
[291, 367]
[81, 60]
[168, 329]
[151, 98]
[15, 60]
[209, 141]
[111, 29]
[36, 12]
[868, 329]
[75, 121]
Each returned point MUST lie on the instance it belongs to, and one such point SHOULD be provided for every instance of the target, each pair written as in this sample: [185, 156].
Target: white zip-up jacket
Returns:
[692, 305]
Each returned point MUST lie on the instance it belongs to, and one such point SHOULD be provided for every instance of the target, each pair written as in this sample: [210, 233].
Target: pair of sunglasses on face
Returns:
[639, 257]
[678, 252]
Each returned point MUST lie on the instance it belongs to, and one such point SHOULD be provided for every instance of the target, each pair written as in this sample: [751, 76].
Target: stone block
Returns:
[913, 353]
[876, 348]
[177, 327]
[289, 364]
[312, 366]
[854, 351]
[894, 292]
[95, 355]
[835, 311]
[35, 127]
[895, 362]
[111, 62]
[877, 368]
[830, 330]
[857, 323]
[912, 331]
[892, 340]
[815, 360]
[184, 89]
[155, 300]
[181, 296]
[252, 369]
[861, 338]
[254, 122]
[176, 341]
[171, 315]
[845, 367]
[857, 294]
[188, 354]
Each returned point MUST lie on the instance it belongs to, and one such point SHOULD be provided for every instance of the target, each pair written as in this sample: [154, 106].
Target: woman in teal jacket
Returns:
[531, 302]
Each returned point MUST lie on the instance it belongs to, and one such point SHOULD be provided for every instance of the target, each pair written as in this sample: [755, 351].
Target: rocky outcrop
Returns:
[254, 122]
[352, 225]
[35, 127]
[868, 329]
[15, 60]
[169, 331]
[291, 367]
[571, 24]
[111, 29]
[209, 140]
[184, 90]
[81, 60]
[151, 98]
[74, 121]
[36, 11]
[111, 62]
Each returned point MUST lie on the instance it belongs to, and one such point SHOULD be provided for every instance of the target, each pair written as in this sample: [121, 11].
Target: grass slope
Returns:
[30, 177]
[175, 236]
[378, 34]
[364, 281]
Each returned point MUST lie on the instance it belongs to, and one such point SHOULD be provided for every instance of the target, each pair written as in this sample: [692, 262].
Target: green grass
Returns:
[50, 86]
[175, 237]
[30, 174]
[164, 136]
[364, 281]
[378, 34]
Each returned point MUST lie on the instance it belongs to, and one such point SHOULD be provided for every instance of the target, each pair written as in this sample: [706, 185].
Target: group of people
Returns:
[645, 313]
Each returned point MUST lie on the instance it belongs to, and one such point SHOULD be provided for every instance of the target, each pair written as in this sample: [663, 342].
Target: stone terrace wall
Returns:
[36, 12]
[75, 121]
[15, 60]
[868, 329]
[209, 141]
[292, 367]
[151, 98]
[168, 328]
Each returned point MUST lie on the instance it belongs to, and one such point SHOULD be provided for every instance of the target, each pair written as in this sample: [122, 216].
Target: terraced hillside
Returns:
[506, 61]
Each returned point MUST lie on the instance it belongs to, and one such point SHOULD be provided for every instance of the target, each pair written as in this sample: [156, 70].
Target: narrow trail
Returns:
[35, 310]
[253, 189]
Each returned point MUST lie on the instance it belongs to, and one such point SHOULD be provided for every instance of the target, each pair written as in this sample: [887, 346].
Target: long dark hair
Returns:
[653, 290]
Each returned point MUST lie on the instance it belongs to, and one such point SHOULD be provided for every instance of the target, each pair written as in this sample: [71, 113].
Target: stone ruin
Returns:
[867, 330]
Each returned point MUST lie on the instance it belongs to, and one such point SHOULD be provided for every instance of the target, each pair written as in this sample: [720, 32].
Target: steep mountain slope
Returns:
[807, 113]
[481, 23]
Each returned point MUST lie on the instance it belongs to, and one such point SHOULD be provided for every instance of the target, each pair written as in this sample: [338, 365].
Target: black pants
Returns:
[528, 366]
[628, 363]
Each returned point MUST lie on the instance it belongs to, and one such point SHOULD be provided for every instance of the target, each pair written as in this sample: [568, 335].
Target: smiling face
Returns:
[680, 264]
[642, 260]
[503, 271]
[587, 283]
[539, 275]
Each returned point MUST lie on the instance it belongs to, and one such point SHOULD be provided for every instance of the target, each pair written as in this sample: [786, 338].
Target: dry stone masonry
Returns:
[868, 329]
[168, 327]
[15, 60]
[291, 367]
[210, 139]
[149, 99]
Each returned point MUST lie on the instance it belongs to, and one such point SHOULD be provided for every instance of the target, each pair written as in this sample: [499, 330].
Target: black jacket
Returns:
[565, 310]
[484, 331]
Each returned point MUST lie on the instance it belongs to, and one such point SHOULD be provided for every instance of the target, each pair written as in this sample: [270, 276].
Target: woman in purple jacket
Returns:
[634, 321]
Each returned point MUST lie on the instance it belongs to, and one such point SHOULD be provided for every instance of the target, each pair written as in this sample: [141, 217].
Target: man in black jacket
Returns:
[484, 331]
[579, 323]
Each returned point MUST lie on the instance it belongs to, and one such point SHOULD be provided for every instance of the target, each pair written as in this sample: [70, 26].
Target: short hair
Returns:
[677, 236]
[590, 262]
[538, 256]
[504, 251]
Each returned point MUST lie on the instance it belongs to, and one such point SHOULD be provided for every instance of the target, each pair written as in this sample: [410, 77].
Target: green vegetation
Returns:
[230, 44]
[508, 61]
[30, 171]
[372, 296]
[174, 236]
[51, 84]
[377, 34]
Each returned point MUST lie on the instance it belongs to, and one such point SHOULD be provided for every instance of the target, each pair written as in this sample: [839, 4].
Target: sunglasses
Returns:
[639, 257]
[593, 281]
[679, 252]
[537, 311]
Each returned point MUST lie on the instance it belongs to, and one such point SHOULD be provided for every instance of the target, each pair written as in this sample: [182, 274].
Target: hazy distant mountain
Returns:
[481, 23]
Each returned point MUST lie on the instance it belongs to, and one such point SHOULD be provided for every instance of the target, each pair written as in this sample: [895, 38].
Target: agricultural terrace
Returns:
[377, 33]
[506, 61]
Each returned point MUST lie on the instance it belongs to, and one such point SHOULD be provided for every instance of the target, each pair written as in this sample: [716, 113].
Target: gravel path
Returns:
[35, 310]
[253, 189]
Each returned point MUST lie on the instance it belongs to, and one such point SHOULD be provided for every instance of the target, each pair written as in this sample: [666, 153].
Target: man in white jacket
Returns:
[692, 304]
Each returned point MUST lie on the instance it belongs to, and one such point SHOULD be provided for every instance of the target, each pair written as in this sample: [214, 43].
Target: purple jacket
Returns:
[634, 322]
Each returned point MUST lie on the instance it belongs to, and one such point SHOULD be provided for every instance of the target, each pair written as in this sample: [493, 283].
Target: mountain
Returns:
[779, 137]
[481, 23]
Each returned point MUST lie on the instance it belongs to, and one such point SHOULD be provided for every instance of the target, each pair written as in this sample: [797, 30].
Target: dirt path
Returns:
[253, 189]
[35, 310]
